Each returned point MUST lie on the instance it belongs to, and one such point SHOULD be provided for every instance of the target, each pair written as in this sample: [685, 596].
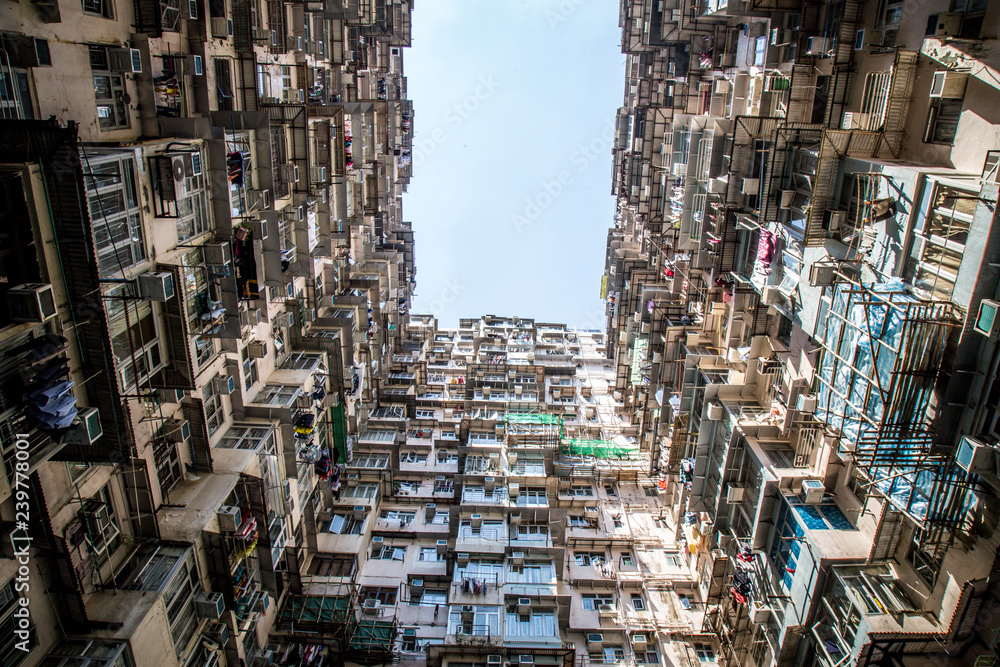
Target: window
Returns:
[593, 601]
[576, 521]
[626, 560]
[214, 416]
[590, 559]
[395, 515]
[704, 653]
[583, 491]
[249, 371]
[412, 457]
[430, 554]
[377, 435]
[15, 95]
[10, 654]
[344, 524]
[168, 466]
[303, 361]
[341, 565]
[224, 85]
[429, 597]
[114, 211]
[441, 517]
[134, 337]
[101, 523]
[942, 121]
[361, 491]
[109, 91]
[389, 553]
[254, 437]
[425, 414]
[276, 394]
[370, 461]
[103, 8]
[637, 602]
[609, 655]
[648, 657]
[386, 596]
[532, 573]
[483, 621]
[96, 653]
[535, 624]
[943, 237]
[533, 496]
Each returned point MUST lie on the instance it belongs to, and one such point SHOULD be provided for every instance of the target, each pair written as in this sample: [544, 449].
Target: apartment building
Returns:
[801, 282]
[206, 276]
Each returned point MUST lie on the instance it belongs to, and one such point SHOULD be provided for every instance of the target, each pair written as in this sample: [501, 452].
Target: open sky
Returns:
[514, 106]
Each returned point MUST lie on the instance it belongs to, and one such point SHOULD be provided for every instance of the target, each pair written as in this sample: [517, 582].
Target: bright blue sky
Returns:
[510, 199]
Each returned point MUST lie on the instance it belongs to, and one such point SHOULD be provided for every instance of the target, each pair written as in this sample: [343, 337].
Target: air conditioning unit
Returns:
[524, 606]
[416, 584]
[257, 349]
[714, 411]
[290, 173]
[639, 642]
[949, 84]
[352, 479]
[191, 9]
[224, 384]
[177, 430]
[128, 61]
[786, 197]
[734, 493]
[595, 641]
[317, 174]
[229, 518]
[817, 45]
[210, 605]
[442, 547]
[525, 659]
[822, 275]
[947, 24]
[976, 457]
[360, 511]
[987, 323]
[462, 558]
[514, 490]
[468, 612]
[606, 610]
[750, 186]
[494, 660]
[156, 286]
[723, 86]
[812, 491]
[31, 302]
[477, 520]
[854, 120]
[220, 27]
[806, 403]
[377, 539]
[515, 518]
[771, 296]
[88, 430]
[517, 558]
[217, 253]
[371, 607]
[833, 220]
[258, 229]
[759, 613]
[259, 200]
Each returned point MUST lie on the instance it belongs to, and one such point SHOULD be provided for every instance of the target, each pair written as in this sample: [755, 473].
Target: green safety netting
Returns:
[373, 634]
[301, 609]
[522, 418]
[602, 449]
